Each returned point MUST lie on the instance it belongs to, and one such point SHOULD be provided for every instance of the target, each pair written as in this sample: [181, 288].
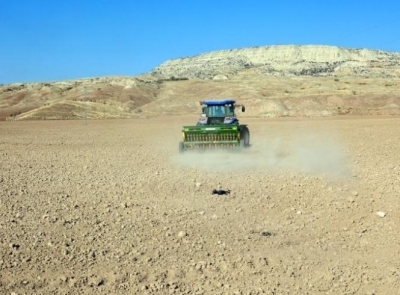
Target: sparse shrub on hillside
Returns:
[15, 114]
[173, 78]
[345, 111]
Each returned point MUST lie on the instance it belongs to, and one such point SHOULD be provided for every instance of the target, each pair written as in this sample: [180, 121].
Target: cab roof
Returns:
[218, 102]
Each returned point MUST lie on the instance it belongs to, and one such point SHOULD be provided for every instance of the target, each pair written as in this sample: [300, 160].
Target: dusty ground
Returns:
[109, 207]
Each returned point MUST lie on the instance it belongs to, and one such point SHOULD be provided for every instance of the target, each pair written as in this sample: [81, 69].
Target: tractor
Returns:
[217, 128]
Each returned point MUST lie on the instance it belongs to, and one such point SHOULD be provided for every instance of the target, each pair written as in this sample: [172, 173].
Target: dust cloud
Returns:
[312, 154]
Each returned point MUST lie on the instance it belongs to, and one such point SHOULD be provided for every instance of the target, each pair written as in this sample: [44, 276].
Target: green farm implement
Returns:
[217, 128]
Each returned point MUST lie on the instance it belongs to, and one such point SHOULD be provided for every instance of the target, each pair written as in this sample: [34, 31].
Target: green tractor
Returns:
[217, 128]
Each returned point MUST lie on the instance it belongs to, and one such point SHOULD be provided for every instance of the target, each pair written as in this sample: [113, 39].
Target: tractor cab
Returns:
[218, 112]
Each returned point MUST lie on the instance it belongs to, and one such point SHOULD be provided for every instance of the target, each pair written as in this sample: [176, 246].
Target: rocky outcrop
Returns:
[284, 60]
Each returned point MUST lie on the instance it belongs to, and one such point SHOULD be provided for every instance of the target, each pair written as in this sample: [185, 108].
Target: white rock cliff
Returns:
[284, 60]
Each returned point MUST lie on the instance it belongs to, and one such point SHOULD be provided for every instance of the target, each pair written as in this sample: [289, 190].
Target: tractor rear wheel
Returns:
[245, 135]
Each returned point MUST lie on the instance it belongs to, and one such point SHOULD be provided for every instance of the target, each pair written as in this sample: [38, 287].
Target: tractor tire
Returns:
[245, 135]
[181, 148]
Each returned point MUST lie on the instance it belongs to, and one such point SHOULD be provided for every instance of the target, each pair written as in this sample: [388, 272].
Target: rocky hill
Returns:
[285, 60]
[272, 81]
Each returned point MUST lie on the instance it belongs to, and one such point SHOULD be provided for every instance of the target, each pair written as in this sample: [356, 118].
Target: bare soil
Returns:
[110, 207]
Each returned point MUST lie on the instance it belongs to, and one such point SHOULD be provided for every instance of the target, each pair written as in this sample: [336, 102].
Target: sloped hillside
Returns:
[303, 96]
[93, 98]
[271, 81]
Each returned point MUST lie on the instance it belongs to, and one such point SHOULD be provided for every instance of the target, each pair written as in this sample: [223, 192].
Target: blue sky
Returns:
[52, 40]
